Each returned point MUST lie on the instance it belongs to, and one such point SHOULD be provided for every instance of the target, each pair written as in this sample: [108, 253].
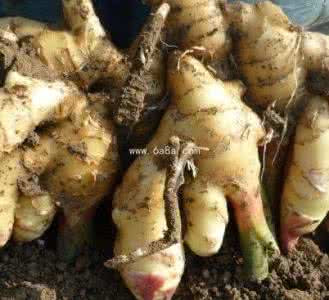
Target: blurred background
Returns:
[308, 13]
[124, 18]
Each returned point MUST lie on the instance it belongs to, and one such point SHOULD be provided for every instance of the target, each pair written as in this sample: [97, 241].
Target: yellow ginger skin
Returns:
[196, 23]
[305, 200]
[28, 102]
[81, 52]
[281, 64]
[273, 55]
[210, 113]
[33, 216]
[72, 163]
[10, 169]
[75, 163]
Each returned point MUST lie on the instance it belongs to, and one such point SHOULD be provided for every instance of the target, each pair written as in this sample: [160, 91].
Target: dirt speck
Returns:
[23, 57]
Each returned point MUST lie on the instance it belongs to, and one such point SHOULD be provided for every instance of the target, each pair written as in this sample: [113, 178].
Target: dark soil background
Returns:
[32, 271]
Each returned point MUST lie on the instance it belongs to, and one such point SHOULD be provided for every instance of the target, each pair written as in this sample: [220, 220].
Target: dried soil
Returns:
[23, 57]
[32, 271]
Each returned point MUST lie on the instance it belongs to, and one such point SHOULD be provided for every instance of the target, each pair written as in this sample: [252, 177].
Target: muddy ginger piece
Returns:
[281, 64]
[199, 111]
[25, 216]
[75, 163]
[33, 216]
[27, 103]
[82, 52]
[178, 157]
[198, 24]
[10, 168]
[305, 199]
[315, 54]
[267, 48]
[76, 158]
[218, 171]
[273, 55]
[139, 214]
[201, 28]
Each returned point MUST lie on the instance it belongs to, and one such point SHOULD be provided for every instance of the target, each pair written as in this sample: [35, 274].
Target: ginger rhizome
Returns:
[283, 66]
[273, 55]
[305, 199]
[193, 23]
[58, 150]
[70, 164]
[84, 54]
[27, 102]
[81, 52]
[58, 147]
[202, 110]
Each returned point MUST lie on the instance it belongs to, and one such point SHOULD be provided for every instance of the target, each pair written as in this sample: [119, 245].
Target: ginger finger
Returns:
[200, 109]
[175, 174]
[305, 200]
[33, 216]
[200, 25]
[10, 169]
